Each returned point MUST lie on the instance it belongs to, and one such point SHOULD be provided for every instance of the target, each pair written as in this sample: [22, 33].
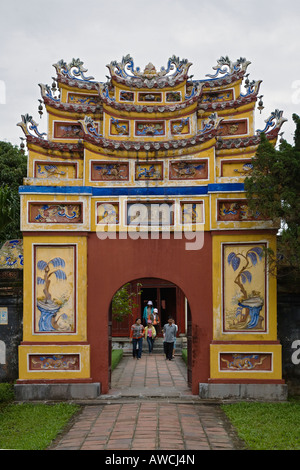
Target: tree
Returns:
[13, 168]
[123, 302]
[273, 189]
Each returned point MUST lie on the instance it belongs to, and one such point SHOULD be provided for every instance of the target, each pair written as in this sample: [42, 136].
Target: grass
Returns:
[31, 426]
[266, 426]
[116, 356]
[28, 426]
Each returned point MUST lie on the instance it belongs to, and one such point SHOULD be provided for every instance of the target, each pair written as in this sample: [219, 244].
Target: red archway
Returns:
[114, 262]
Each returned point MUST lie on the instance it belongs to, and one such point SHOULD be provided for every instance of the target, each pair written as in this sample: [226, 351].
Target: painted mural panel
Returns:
[245, 361]
[55, 288]
[234, 127]
[230, 168]
[236, 210]
[67, 130]
[55, 213]
[244, 288]
[192, 213]
[59, 170]
[107, 213]
[54, 362]
[192, 170]
[109, 171]
[149, 171]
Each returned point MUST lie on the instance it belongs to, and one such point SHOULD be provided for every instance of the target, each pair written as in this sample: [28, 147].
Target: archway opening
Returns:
[169, 300]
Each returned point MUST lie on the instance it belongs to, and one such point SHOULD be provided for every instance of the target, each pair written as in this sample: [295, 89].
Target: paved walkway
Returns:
[149, 407]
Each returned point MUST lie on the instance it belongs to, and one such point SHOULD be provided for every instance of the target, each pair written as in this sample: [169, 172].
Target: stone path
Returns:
[149, 407]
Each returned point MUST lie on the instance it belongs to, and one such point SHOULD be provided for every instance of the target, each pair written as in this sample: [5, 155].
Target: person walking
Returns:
[136, 336]
[156, 320]
[148, 312]
[150, 334]
[170, 330]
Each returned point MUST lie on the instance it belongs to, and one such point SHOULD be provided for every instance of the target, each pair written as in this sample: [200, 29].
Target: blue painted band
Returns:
[141, 191]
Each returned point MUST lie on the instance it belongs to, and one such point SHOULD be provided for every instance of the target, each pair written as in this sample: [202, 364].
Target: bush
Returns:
[116, 356]
[6, 392]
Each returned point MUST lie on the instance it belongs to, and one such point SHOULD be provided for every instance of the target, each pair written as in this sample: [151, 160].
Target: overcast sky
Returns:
[35, 34]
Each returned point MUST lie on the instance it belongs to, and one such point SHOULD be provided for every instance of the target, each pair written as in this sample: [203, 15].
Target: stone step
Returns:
[125, 344]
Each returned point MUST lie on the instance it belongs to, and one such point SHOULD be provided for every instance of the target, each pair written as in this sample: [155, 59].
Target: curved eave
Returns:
[221, 82]
[150, 112]
[77, 110]
[67, 150]
[240, 102]
[244, 142]
[156, 83]
[191, 145]
[76, 85]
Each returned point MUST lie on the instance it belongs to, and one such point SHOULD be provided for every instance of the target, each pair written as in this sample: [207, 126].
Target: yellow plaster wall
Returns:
[26, 374]
[275, 373]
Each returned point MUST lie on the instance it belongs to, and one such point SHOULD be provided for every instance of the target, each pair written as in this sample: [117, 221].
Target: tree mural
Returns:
[251, 301]
[59, 274]
[49, 320]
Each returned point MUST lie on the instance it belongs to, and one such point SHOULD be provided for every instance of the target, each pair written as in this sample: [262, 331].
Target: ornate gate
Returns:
[139, 177]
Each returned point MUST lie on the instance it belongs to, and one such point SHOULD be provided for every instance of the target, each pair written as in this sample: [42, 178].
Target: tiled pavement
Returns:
[149, 407]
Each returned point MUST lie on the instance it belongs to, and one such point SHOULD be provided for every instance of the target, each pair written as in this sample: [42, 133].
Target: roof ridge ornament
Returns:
[26, 127]
[273, 123]
[73, 70]
[227, 67]
[126, 70]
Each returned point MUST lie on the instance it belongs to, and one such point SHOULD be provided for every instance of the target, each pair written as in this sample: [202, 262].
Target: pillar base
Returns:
[57, 391]
[244, 391]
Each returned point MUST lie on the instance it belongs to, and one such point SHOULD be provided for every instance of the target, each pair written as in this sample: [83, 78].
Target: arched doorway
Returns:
[115, 262]
[169, 300]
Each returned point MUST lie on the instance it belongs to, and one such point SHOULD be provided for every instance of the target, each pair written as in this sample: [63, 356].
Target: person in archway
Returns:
[156, 320]
[136, 336]
[150, 334]
[170, 330]
[148, 312]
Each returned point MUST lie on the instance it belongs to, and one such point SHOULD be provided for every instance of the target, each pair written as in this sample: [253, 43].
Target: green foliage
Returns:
[116, 356]
[266, 426]
[13, 168]
[184, 355]
[29, 426]
[273, 189]
[124, 301]
[6, 392]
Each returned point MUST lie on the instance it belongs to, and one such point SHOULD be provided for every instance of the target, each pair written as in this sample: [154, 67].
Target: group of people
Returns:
[148, 327]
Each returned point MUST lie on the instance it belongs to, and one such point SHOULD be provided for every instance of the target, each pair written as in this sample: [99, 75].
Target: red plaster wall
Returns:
[112, 263]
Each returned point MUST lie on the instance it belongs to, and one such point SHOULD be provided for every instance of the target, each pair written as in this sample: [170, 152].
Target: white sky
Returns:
[35, 34]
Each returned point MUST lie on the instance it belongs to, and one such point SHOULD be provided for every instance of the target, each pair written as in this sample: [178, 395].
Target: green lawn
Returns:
[28, 426]
[266, 426]
[262, 426]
